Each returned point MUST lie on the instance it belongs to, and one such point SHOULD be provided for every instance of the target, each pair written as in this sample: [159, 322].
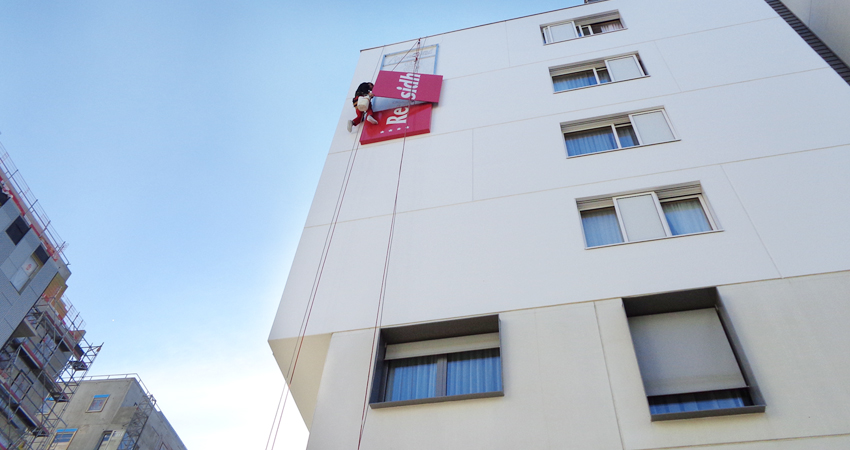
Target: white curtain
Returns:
[685, 216]
[701, 401]
[601, 227]
[614, 25]
[412, 378]
[474, 372]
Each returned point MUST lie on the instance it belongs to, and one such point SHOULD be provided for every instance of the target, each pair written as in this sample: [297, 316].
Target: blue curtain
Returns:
[574, 80]
[685, 216]
[412, 378]
[601, 227]
[627, 136]
[604, 77]
[590, 141]
[701, 401]
[474, 372]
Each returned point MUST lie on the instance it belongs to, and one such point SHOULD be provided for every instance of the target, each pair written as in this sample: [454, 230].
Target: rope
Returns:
[379, 314]
[305, 320]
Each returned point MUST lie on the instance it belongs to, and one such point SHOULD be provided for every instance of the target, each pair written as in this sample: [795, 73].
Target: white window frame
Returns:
[626, 119]
[608, 202]
[579, 24]
[595, 66]
[407, 55]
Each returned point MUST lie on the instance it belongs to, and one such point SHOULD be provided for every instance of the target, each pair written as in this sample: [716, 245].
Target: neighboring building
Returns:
[828, 19]
[115, 412]
[623, 227]
[44, 352]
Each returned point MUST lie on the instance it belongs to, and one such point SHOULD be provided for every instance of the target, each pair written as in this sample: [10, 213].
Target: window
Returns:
[576, 28]
[28, 269]
[17, 230]
[97, 403]
[664, 212]
[454, 360]
[405, 61]
[617, 132]
[576, 76]
[104, 440]
[689, 365]
[63, 437]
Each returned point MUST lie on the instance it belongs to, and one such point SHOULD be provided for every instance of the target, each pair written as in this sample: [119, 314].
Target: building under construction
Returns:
[114, 412]
[44, 355]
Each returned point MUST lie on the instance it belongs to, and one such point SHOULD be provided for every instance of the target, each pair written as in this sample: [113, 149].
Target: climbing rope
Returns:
[379, 314]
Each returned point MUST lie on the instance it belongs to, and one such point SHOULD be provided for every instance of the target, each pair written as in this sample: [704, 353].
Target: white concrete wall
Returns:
[829, 19]
[487, 219]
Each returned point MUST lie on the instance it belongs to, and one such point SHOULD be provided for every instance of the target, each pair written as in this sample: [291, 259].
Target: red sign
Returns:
[396, 123]
[420, 87]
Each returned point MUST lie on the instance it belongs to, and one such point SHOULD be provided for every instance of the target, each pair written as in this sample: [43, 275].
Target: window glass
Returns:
[406, 61]
[562, 32]
[699, 401]
[590, 141]
[652, 127]
[104, 440]
[605, 27]
[574, 80]
[474, 372]
[640, 217]
[603, 75]
[627, 136]
[412, 378]
[624, 68]
[98, 402]
[17, 230]
[685, 216]
[601, 227]
[23, 274]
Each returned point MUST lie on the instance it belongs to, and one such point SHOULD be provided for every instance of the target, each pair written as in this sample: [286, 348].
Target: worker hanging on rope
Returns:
[362, 105]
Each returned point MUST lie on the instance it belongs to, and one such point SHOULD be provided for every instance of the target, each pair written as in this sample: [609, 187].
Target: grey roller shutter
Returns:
[684, 352]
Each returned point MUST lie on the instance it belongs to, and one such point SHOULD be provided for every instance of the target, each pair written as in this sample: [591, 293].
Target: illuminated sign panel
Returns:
[409, 99]
[419, 87]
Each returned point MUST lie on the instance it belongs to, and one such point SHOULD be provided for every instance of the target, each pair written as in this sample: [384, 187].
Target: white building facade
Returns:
[625, 230]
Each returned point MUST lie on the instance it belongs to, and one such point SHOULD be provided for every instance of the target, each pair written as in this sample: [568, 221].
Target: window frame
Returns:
[432, 332]
[105, 438]
[94, 399]
[615, 120]
[595, 66]
[692, 300]
[579, 23]
[405, 58]
[63, 431]
[670, 194]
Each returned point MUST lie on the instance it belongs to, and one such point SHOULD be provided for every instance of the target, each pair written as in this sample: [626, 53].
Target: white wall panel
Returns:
[437, 171]
[738, 53]
[798, 204]
[552, 363]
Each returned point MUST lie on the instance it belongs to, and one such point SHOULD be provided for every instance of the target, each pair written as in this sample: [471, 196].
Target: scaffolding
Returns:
[41, 366]
[14, 185]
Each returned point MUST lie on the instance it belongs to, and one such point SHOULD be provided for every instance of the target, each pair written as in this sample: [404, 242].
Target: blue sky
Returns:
[176, 146]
